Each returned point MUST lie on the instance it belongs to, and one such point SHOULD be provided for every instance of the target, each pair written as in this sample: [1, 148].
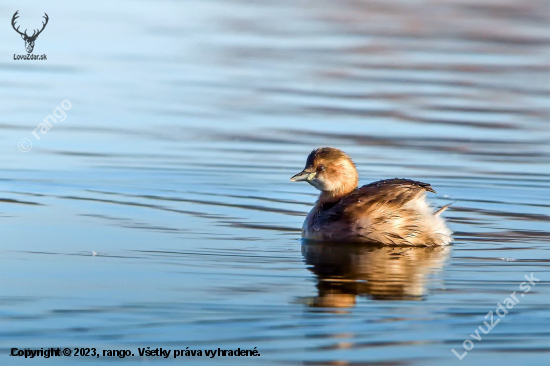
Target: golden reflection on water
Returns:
[345, 271]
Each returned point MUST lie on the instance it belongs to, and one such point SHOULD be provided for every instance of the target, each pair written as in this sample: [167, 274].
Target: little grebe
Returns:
[391, 211]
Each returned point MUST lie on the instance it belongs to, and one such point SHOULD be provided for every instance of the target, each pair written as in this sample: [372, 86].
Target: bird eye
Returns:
[320, 168]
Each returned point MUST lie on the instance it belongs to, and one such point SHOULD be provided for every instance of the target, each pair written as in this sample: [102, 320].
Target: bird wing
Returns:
[375, 209]
[392, 192]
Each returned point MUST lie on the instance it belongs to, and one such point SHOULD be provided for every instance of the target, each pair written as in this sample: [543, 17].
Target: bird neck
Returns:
[329, 197]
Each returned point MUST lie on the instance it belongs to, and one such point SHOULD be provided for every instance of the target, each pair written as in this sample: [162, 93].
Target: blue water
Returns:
[159, 213]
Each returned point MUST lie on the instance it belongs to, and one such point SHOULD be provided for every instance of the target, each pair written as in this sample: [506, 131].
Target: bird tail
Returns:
[440, 211]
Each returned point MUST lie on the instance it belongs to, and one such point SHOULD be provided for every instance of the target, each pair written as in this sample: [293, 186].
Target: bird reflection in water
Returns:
[380, 272]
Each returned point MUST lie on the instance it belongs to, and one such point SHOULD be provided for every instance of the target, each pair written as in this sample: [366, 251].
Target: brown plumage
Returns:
[391, 211]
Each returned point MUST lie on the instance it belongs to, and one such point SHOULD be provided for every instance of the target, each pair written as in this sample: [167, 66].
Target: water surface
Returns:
[159, 212]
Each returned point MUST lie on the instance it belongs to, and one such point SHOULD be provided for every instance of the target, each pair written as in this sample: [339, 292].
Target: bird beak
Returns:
[303, 176]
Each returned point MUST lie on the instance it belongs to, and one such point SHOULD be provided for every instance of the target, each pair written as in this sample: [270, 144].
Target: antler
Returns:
[15, 16]
[43, 26]
[34, 34]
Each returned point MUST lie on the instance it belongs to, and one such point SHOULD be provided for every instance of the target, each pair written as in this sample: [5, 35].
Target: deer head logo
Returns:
[29, 40]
